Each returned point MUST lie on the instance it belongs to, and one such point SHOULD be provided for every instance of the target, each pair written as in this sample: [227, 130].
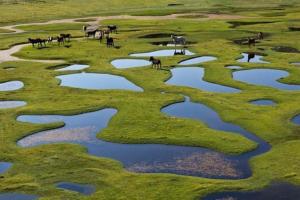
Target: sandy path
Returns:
[7, 55]
[97, 19]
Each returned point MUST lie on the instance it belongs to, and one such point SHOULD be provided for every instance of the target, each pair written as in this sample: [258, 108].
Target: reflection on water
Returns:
[160, 53]
[129, 63]
[193, 77]
[197, 60]
[81, 188]
[11, 85]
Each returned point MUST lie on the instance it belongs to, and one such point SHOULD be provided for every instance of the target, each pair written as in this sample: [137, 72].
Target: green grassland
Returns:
[139, 120]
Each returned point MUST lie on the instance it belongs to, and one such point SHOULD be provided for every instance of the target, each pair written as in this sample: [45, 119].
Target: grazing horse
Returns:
[112, 28]
[37, 41]
[60, 40]
[260, 36]
[250, 56]
[110, 42]
[178, 40]
[251, 41]
[156, 63]
[66, 37]
[90, 33]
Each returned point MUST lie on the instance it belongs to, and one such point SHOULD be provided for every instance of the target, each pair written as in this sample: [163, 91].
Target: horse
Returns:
[101, 34]
[260, 36]
[181, 52]
[110, 42]
[178, 40]
[60, 40]
[156, 63]
[91, 33]
[66, 37]
[250, 56]
[49, 40]
[112, 28]
[37, 41]
[251, 41]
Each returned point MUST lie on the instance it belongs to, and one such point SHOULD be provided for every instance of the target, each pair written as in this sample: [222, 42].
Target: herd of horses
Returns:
[96, 32]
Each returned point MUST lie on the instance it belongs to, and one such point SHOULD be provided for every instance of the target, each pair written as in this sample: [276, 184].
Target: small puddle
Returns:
[252, 58]
[296, 63]
[11, 85]
[296, 119]
[193, 77]
[263, 102]
[95, 81]
[11, 104]
[264, 77]
[9, 68]
[4, 166]
[80, 188]
[149, 158]
[234, 67]
[17, 196]
[73, 67]
[278, 191]
[197, 60]
[129, 63]
[161, 53]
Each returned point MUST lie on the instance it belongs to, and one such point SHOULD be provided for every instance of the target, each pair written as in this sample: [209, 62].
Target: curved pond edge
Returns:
[149, 158]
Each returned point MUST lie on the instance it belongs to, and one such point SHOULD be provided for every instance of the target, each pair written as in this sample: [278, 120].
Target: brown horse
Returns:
[67, 37]
[250, 56]
[156, 63]
[251, 41]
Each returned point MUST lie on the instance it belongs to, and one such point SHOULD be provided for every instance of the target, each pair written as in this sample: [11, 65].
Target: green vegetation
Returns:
[139, 119]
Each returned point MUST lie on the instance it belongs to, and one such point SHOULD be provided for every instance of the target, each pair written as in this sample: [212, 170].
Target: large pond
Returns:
[129, 63]
[276, 191]
[95, 81]
[11, 85]
[252, 58]
[73, 67]
[193, 77]
[11, 104]
[194, 161]
[17, 196]
[264, 77]
[161, 53]
[296, 119]
[4, 166]
[80, 188]
[197, 60]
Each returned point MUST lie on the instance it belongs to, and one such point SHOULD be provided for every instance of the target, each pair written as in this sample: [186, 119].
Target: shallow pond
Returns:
[233, 67]
[194, 161]
[11, 104]
[73, 67]
[193, 77]
[4, 166]
[255, 59]
[129, 63]
[17, 196]
[264, 77]
[11, 85]
[296, 119]
[160, 53]
[197, 60]
[276, 191]
[263, 102]
[80, 188]
[95, 81]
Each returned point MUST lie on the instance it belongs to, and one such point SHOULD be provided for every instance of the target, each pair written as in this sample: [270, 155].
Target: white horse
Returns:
[178, 40]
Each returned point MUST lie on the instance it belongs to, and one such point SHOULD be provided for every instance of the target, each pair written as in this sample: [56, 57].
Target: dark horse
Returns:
[181, 52]
[112, 28]
[156, 63]
[251, 41]
[66, 37]
[40, 42]
[110, 42]
[250, 56]
[60, 40]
